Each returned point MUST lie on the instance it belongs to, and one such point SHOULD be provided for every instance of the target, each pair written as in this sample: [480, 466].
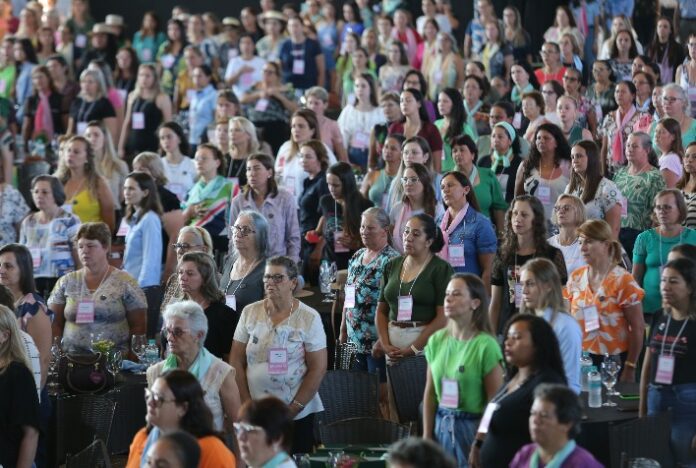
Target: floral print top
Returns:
[360, 320]
[618, 291]
[13, 209]
[606, 197]
[608, 129]
[638, 193]
[52, 242]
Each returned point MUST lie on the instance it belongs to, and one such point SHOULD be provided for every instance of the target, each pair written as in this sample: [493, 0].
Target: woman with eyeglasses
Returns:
[414, 150]
[279, 349]
[242, 275]
[175, 401]
[653, 245]
[675, 103]
[601, 196]
[92, 104]
[276, 204]
[264, 432]
[97, 298]
[687, 185]
[568, 214]
[189, 239]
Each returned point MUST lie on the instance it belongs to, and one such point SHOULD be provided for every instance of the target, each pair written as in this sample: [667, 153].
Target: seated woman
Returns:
[172, 448]
[97, 298]
[185, 329]
[175, 402]
[554, 422]
[198, 281]
[242, 275]
[264, 432]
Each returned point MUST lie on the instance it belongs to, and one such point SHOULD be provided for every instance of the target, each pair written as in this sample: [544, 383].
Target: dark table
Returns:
[65, 421]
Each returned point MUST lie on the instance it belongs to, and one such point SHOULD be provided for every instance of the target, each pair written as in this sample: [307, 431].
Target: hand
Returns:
[201, 210]
[377, 350]
[190, 211]
[474, 457]
[628, 374]
[294, 409]
[391, 351]
[343, 335]
[346, 241]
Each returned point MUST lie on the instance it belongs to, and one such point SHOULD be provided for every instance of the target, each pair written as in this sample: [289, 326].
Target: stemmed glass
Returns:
[138, 344]
[56, 353]
[325, 280]
[115, 361]
[610, 372]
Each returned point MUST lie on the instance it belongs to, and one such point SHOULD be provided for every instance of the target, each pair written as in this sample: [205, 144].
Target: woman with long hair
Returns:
[445, 67]
[515, 36]
[92, 104]
[87, 193]
[315, 162]
[524, 81]
[44, 113]
[563, 23]
[586, 111]
[126, 71]
[542, 295]
[496, 55]
[243, 142]
[25, 62]
[149, 38]
[450, 105]
[108, 164]
[464, 368]
[669, 143]
[601, 91]
[665, 51]
[171, 53]
[377, 182]
[618, 125]
[524, 238]
[685, 74]
[533, 109]
[146, 109]
[622, 51]
[475, 90]
[179, 167]
[601, 197]
[687, 185]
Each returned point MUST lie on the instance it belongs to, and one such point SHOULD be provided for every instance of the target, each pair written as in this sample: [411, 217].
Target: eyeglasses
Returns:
[540, 414]
[242, 231]
[663, 207]
[275, 279]
[670, 100]
[176, 333]
[547, 52]
[157, 399]
[548, 92]
[409, 180]
[244, 428]
[562, 208]
[184, 246]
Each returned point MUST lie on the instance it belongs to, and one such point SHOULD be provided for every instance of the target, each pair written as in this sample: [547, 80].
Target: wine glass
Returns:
[56, 353]
[115, 361]
[302, 460]
[325, 280]
[615, 367]
[333, 272]
[610, 371]
[138, 344]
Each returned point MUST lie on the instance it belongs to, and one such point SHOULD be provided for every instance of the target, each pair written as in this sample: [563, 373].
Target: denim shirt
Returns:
[201, 112]
[143, 256]
[23, 87]
[478, 237]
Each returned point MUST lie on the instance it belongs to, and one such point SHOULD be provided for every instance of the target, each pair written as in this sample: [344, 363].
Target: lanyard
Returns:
[84, 282]
[674, 343]
[243, 278]
[82, 114]
[401, 276]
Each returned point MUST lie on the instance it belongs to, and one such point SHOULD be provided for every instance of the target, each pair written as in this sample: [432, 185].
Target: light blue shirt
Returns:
[201, 112]
[23, 87]
[687, 9]
[143, 256]
[569, 337]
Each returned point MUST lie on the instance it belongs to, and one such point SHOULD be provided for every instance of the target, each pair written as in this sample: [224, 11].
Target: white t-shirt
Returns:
[441, 19]
[671, 162]
[246, 80]
[180, 177]
[290, 174]
[571, 254]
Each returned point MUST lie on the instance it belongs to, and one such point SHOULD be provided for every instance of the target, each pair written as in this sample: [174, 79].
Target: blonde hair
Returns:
[153, 161]
[545, 272]
[599, 230]
[108, 162]
[250, 129]
[13, 349]
[93, 178]
[98, 76]
[155, 86]
[578, 206]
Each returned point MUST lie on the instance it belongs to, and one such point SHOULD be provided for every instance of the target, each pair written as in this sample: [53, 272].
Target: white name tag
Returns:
[147, 55]
[405, 311]
[338, 246]
[350, 296]
[450, 393]
[486, 419]
[624, 208]
[81, 127]
[544, 194]
[361, 140]
[85, 311]
[518, 295]
[591, 317]
[298, 67]
[261, 105]
[231, 301]
[123, 229]
[665, 369]
[81, 41]
[277, 361]
[35, 257]
[456, 255]
[138, 120]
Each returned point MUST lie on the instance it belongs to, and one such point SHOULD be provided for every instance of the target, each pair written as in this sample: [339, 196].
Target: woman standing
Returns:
[470, 240]
[586, 112]
[392, 74]
[687, 185]
[568, 214]
[675, 103]
[207, 203]
[653, 245]
[410, 311]
[645, 83]
[606, 300]
[639, 181]
[524, 81]
[242, 275]
[44, 112]
[293, 332]
[601, 197]
[601, 92]
[542, 296]
[315, 162]
[464, 368]
[567, 112]
[25, 61]
[474, 91]
[671, 338]
[524, 238]
[87, 193]
[360, 65]
[243, 142]
[106, 160]
[179, 167]
[445, 68]
[149, 38]
[669, 142]
[450, 105]
[198, 281]
[357, 120]
[665, 51]
[92, 104]
[377, 182]
[533, 110]
[621, 54]
[685, 75]
[146, 109]
[504, 160]
[126, 71]
[170, 53]
[551, 90]
[278, 206]
[496, 55]
[142, 258]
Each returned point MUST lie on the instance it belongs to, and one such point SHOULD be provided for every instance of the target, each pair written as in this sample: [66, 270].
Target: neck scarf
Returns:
[617, 153]
[152, 437]
[43, 120]
[447, 231]
[557, 460]
[198, 368]
[516, 94]
[470, 113]
[503, 159]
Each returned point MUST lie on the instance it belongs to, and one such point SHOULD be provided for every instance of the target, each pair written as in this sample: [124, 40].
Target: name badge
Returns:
[123, 94]
[503, 179]
[277, 361]
[544, 194]
[261, 105]
[138, 120]
[437, 76]
[456, 255]
[81, 41]
[190, 94]
[350, 296]
[360, 140]
[298, 67]
[405, 311]
[123, 229]
[167, 60]
[665, 369]
[518, 295]
[338, 247]
[449, 397]
[147, 55]
[85, 311]
[591, 318]
[81, 127]
[624, 208]
[289, 184]
[231, 301]
[517, 120]
[35, 257]
[486, 419]
[247, 79]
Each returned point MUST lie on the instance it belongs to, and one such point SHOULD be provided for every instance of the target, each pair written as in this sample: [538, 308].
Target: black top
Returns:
[247, 290]
[313, 190]
[684, 349]
[144, 139]
[169, 203]
[511, 172]
[127, 85]
[509, 426]
[222, 321]
[19, 406]
[333, 221]
[83, 111]
[55, 100]
[237, 168]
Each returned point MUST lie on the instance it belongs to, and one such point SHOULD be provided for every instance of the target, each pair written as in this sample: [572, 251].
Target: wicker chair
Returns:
[348, 394]
[362, 431]
[344, 356]
[641, 438]
[91, 419]
[93, 456]
[407, 381]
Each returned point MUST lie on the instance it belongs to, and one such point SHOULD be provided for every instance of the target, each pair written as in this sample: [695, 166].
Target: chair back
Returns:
[647, 437]
[348, 394]
[407, 381]
[344, 356]
[362, 431]
[94, 455]
[91, 418]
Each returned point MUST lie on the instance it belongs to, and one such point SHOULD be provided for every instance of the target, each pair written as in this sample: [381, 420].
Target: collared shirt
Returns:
[201, 112]
[283, 225]
[687, 9]
[143, 255]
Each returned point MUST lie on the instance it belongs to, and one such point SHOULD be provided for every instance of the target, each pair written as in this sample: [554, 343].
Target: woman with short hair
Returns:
[568, 214]
[264, 433]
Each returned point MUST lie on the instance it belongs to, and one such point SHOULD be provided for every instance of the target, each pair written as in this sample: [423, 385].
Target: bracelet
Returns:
[478, 443]
[416, 351]
[630, 364]
[295, 402]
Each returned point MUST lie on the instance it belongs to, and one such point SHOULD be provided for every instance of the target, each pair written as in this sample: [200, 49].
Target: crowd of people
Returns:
[504, 201]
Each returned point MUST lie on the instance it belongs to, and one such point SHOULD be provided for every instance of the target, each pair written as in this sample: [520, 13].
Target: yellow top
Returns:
[85, 207]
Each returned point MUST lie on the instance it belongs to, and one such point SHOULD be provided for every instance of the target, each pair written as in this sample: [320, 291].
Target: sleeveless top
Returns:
[575, 134]
[85, 207]
[689, 88]
[211, 383]
[144, 139]
[378, 193]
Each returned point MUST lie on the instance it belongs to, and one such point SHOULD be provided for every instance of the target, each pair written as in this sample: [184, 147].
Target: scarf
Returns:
[503, 159]
[396, 233]
[516, 95]
[557, 460]
[470, 113]
[152, 437]
[198, 368]
[617, 153]
[447, 231]
[43, 120]
[583, 24]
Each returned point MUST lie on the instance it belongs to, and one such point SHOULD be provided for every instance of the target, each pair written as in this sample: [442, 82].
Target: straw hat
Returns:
[115, 21]
[102, 28]
[273, 14]
[231, 21]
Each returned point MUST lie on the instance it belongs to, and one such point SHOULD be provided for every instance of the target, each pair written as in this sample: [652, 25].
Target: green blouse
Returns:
[489, 193]
[639, 192]
[447, 161]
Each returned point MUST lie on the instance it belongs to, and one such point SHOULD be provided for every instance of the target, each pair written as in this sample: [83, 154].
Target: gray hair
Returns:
[201, 234]
[317, 92]
[287, 262]
[192, 313]
[98, 76]
[261, 236]
[682, 95]
[250, 129]
[379, 215]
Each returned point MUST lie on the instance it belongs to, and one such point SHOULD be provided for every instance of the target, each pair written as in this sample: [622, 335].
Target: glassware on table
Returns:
[610, 372]
[115, 361]
[138, 345]
[335, 458]
[325, 280]
[100, 344]
[302, 460]
[56, 353]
